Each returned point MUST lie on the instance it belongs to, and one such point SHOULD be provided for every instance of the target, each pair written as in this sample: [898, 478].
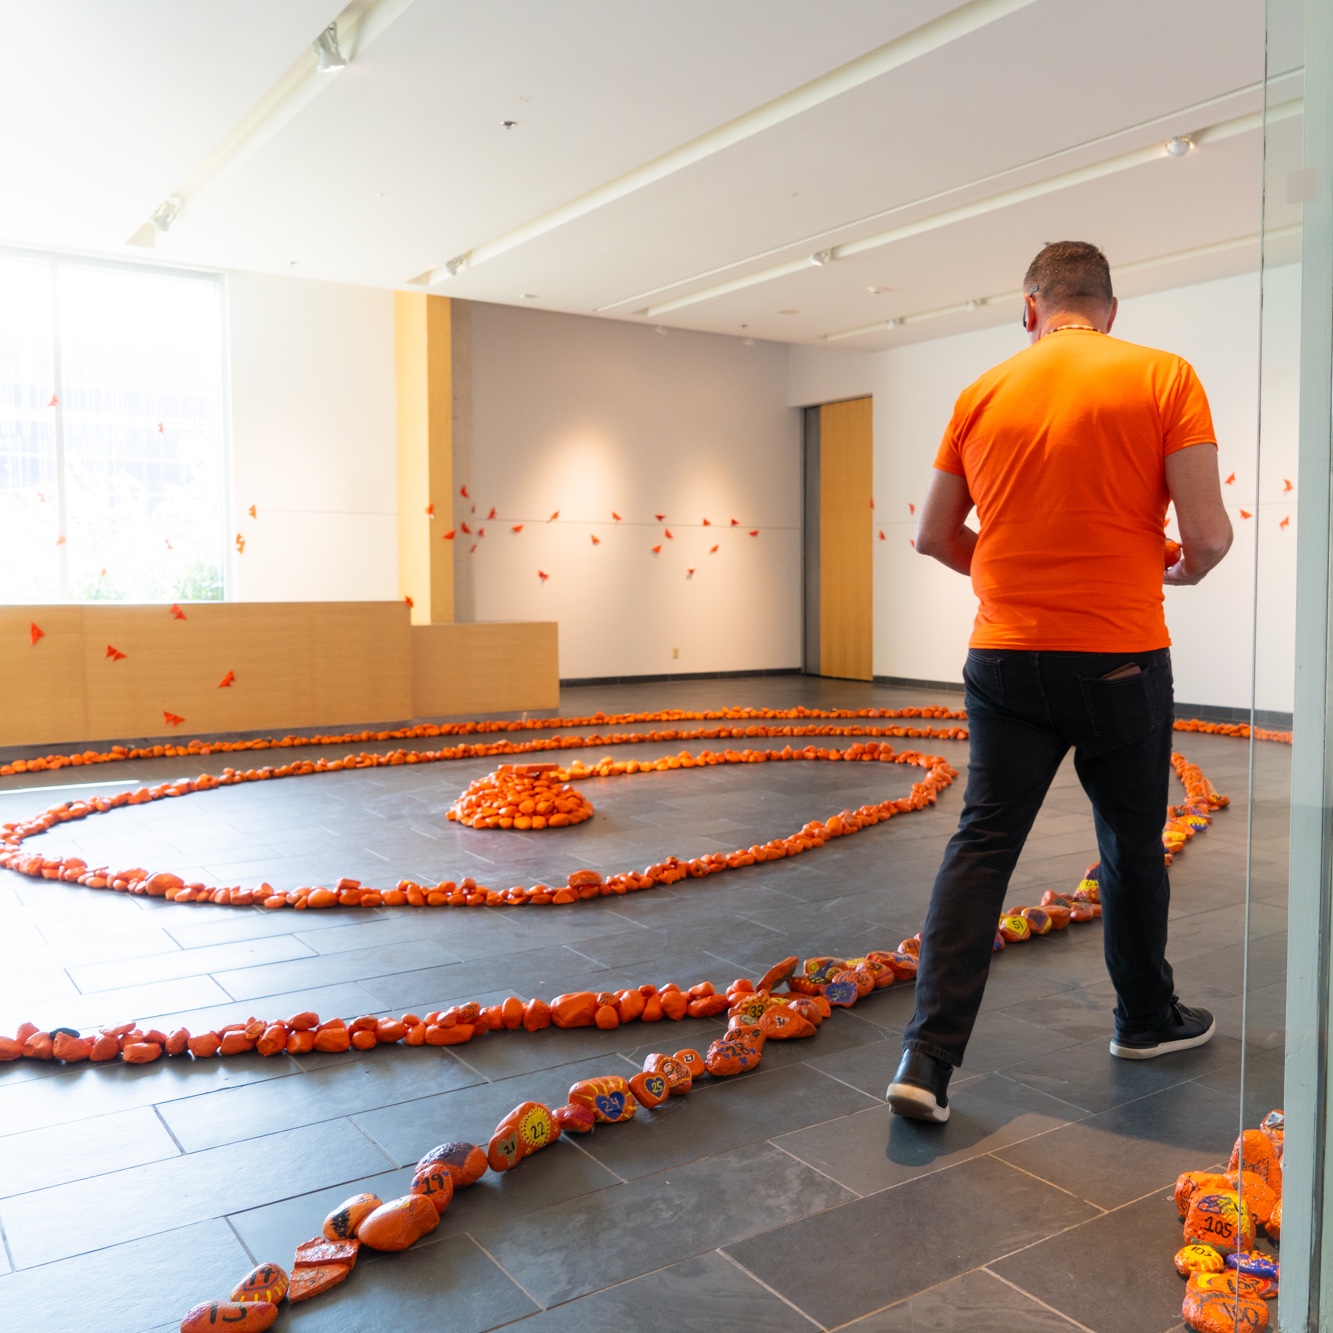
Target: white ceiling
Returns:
[400, 162]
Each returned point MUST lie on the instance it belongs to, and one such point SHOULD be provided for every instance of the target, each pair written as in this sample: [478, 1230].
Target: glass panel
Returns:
[29, 501]
[141, 366]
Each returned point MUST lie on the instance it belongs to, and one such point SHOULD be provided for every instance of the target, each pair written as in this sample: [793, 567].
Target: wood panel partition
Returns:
[106, 672]
[846, 594]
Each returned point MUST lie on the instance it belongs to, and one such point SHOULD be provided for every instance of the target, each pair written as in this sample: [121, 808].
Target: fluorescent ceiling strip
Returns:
[814, 241]
[358, 24]
[872, 65]
[1137, 266]
[979, 208]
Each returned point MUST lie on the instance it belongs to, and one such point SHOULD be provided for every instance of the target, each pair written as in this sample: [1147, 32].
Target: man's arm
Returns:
[941, 529]
[1205, 530]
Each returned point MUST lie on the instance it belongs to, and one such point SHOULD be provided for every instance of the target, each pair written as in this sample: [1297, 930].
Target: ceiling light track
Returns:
[356, 26]
[1196, 114]
[940, 32]
[1137, 266]
[980, 207]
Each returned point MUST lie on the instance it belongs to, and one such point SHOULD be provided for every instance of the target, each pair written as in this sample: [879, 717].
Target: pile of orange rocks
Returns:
[1229, 1280]
[521, 796]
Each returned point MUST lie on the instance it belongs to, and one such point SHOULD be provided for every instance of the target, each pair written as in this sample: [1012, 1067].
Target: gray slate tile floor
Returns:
[786, 1199]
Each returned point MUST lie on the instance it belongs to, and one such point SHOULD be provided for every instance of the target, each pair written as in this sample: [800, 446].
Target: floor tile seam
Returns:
[1046, 1305]
[1092, 1115]
[754, 1277]
[240, 1240]
[502, 1268]
[772, 1143]
[879, 1100]
[9, 1254]
[994, 1154]
[1083, 1112]
[597, 1161]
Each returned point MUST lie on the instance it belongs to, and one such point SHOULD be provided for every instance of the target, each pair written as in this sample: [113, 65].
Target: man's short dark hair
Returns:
[1070, 274]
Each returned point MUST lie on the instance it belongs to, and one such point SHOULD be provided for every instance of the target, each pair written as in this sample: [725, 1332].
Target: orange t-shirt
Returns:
[1062, 449]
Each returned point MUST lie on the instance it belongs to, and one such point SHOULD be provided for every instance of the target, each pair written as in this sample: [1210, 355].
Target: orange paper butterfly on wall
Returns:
[172, 719]
[176, 613]
[227, 680]
[114, 654]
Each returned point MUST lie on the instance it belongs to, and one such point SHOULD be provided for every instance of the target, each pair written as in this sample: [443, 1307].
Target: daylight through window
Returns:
[111, 432]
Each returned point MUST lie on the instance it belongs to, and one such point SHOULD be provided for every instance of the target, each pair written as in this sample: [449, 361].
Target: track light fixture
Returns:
[1179, 146]
[458, 263]
[330, 57]
[822, 257]
[167, 212]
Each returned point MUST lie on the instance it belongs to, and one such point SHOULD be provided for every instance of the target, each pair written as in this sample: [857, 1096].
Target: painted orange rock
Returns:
[677, 1072]
[267, 1282]
[1274, 1224]
[733, 1055]
[808, 1009]
[1256, 1193]
[777, 974]
[245, 1317]
[1197, 1259]
[784, 1023]
[436, 1184]
[399, 1223]
[814, 974]
[692, 1060]
[574, 1119]
[345, 1220]
[1256, 1148]
[319, 1251]
[1219, 1219]
[575, 1010]
[527, 1129]
[1220, 1312]
[609, 1097]
[1015, 928]
[650, 1090]
[1038, 919]
[315, 1280]
[1189, 1183]
[465, 1162]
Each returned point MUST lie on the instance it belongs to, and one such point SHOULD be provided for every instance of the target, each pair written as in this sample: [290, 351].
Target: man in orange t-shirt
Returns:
[1069, 452]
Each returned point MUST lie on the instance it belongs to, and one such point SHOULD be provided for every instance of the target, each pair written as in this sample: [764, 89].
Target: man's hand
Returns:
[941, 529]
[1205, 530]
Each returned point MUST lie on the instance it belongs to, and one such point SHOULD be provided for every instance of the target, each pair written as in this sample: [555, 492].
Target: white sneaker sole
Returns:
[1163, 1048]
[906, 1099]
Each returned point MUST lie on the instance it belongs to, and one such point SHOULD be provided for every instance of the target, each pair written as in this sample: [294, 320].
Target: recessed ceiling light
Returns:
[789, 312]
[878, 291]
[528, 296]
[1179, 146]
[508, 124]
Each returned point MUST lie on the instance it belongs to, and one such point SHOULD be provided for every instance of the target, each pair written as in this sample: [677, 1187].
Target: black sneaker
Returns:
[1184, 1029]
[919, 1088]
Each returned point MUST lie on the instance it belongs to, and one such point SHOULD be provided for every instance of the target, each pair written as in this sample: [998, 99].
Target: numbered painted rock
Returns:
[1015, 928]
[1190, 1183]
[783, 1024]
[314, 1253]
[1231, 1283]
[315, 1280]
[1274, 1224]
[880, 968]
[574, 1119]
[1197, 1259]
[692, 1060]
[650, 1090]
[267, 1282]
[527, 1129]
[609, 1096]
[676, 1072]
[346, 1218]
[399, 1223]
[465, 1162]
[1218, 1218]
[436, 1184]
[749, 1009]
[1038, 919]
[842, 991]
[807, 1008]
[733, 1055]
[242, 1316]
[1218, 1312]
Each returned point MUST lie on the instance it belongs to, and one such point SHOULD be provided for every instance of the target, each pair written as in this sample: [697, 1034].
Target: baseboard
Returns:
[576, 682]
[911, 683]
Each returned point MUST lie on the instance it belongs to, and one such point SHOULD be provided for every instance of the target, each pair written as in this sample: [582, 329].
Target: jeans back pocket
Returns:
[983, 675]
[1125, 709]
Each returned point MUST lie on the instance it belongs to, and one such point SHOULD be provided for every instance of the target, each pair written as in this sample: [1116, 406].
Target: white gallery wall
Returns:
[923, 612]
[591, 417]
[313, 441]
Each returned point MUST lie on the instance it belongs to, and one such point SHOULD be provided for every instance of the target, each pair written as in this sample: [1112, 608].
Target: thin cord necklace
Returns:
[1060, 328]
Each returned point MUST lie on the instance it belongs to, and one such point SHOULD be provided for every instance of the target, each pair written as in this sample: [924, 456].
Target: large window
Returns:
[111, 432]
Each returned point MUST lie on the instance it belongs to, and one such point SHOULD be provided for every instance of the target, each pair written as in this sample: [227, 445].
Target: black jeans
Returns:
[1025, 710]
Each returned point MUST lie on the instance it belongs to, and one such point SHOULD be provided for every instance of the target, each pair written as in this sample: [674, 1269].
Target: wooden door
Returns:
[839, 532]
